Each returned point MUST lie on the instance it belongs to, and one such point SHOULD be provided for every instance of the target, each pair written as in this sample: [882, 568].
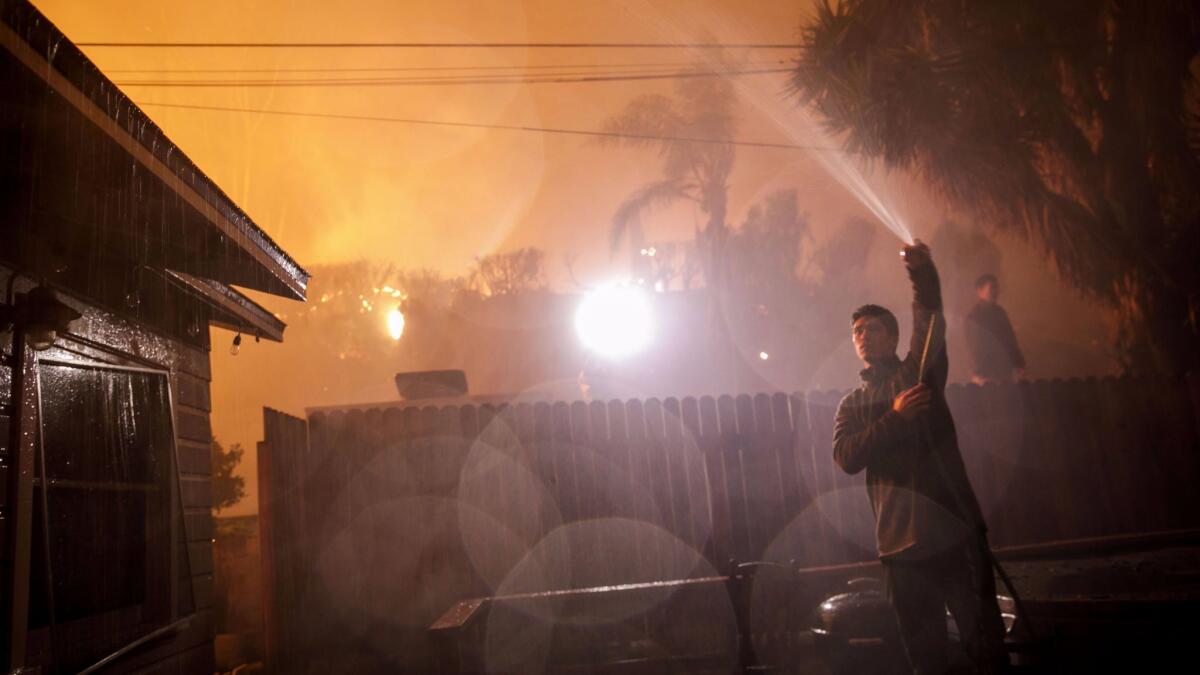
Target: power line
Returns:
[502, 127]
[562, 78]
[383, 69]
[440, 45]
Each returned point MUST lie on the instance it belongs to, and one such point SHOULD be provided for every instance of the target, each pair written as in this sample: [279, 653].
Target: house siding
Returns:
[107, 337]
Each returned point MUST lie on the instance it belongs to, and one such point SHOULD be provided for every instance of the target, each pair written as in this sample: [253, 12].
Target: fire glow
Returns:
[395, 323]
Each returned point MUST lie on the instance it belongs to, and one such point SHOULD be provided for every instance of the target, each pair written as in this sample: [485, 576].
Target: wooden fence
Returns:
[375, 521]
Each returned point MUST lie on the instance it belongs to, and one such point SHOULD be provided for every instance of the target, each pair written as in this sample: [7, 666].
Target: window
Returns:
[105, 513]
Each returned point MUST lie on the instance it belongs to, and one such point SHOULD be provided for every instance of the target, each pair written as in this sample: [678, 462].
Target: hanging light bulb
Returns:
[237, 345]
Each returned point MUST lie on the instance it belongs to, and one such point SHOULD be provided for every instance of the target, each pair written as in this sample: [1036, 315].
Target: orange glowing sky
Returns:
[434, 197]
[421, 196]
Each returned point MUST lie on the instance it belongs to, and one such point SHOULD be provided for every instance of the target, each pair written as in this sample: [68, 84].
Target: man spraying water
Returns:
[929, 531]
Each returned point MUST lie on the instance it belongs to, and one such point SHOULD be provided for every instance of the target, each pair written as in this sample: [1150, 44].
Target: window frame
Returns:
[131, 622]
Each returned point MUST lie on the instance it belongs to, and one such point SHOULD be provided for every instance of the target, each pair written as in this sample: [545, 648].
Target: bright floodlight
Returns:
[395, 323]
[614, 320]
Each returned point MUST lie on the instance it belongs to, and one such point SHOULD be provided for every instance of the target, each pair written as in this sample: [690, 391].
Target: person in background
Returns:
[991, 342]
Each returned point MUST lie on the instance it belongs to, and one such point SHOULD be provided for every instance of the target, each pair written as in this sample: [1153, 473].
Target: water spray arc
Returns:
[840, 168]
[801, 130]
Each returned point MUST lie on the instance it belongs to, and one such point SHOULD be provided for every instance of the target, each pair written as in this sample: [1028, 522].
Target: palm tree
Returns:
[690, 131]
[693, 170]
[1072, 124]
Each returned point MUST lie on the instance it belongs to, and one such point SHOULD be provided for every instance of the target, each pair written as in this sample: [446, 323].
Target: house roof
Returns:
[232, 310]
[90, 174]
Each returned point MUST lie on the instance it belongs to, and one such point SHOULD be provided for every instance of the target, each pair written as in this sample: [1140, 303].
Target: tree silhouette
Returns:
[787, 291]
[227, 489]
[764, 251]
[510, 272]
[1073, 124]
[693, 171]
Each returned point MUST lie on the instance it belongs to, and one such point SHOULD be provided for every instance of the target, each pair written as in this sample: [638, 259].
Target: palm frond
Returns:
[643, 119]
[651, 196]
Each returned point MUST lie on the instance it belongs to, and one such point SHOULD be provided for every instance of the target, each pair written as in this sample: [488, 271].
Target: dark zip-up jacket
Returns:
[916, 480]
[991, 342]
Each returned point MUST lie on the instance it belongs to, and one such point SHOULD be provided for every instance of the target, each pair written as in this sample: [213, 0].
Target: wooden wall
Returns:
[104, 337]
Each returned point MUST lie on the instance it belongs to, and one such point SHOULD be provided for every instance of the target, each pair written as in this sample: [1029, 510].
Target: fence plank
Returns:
[1040, 464]
[768, 507]
[1002, 418]
[699, 479]
[566, 480]
[1150, 409]
[1086, 515]
[584, 463]
[747, 459]
[540, 434]
[714, 462]
[783, 432]
[825, 480]
[1180, 449]
[680, 471]
[602, 458]
[660, 482]
[645, 510]
[735, 495]
[800, 444]
[1115, 444]
[623, 487]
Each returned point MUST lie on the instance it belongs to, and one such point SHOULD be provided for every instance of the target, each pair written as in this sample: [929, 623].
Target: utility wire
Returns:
[564, 78]
[503, 127]
[384, 69]
[440, 45]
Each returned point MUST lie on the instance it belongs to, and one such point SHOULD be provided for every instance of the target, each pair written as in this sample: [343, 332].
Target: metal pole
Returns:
[19, 503]
[925, 349]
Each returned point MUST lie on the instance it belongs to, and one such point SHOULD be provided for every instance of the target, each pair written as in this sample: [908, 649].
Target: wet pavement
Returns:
[1126, 612]
[1136, 611]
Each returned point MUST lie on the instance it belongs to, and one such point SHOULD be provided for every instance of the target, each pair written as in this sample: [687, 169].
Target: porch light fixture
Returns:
[40, 314]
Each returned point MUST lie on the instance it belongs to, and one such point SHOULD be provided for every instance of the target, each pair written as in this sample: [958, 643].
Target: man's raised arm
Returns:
[927, 309]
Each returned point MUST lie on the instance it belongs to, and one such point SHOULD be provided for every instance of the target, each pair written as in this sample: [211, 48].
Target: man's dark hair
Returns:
[885, 316]
[985, 279]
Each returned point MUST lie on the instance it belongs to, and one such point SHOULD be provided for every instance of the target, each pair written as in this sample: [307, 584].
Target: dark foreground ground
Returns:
[1129, 608]
[1136, 611]
[1131, 611]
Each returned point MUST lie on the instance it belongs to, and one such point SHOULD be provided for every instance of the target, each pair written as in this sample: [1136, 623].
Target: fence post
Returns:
[283, 471]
